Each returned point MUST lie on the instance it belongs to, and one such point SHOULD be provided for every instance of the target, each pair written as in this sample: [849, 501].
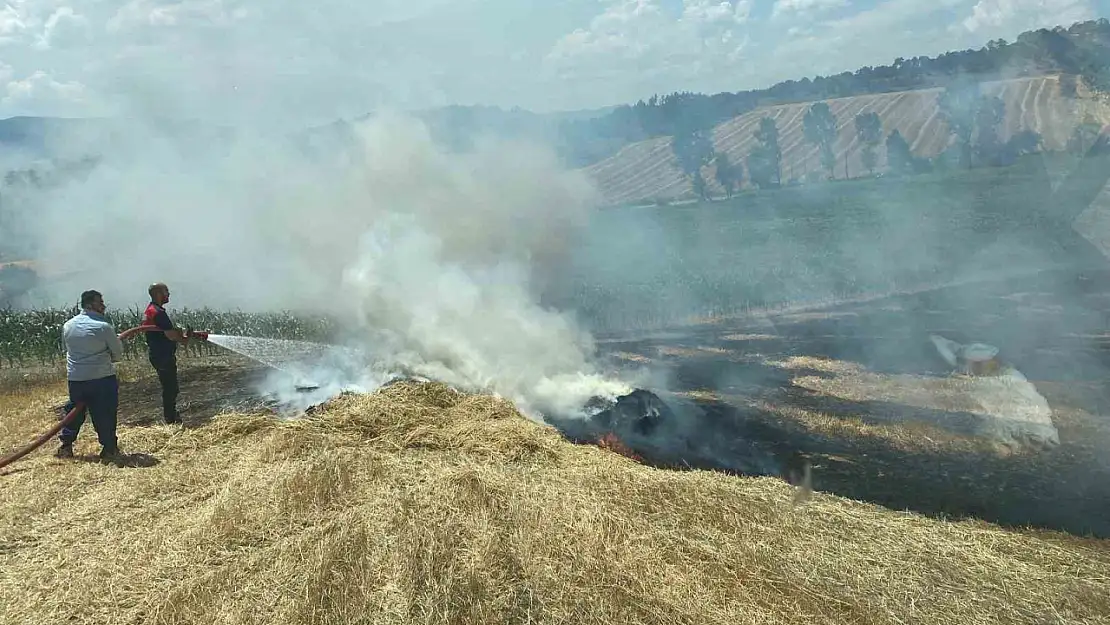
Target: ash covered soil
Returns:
[757, 395]
[209, 387]
[825, 383]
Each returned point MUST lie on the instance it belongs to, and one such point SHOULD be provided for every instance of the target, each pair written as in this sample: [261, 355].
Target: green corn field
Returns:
[29, 337]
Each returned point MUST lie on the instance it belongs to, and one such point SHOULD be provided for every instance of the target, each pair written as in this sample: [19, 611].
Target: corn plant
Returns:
[30, 337]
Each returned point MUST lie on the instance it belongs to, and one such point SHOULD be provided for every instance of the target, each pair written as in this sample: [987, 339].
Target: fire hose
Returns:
[80, 406]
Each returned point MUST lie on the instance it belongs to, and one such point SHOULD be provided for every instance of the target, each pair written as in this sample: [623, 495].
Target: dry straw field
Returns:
[419, 504]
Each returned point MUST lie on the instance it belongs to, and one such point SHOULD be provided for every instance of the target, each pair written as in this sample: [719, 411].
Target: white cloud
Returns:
[63, 29]
[138, 14]
[300, 63]
[640, 30]
[636, 41]
[41, 94]
[807, 8]
[284, 63]
[1009, 17]
[720, 13]
[626, 29]
[716, 23]
[634, 48]
[874, 36]
[13, 23]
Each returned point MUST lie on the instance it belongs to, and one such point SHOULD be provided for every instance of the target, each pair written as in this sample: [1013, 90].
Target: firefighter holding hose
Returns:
[162, 348]
[92, 349]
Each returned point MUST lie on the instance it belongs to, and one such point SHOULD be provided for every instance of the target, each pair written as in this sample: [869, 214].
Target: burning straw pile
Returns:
[420, 504]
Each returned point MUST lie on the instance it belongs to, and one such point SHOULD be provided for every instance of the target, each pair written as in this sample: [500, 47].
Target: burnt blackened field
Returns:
[796, 324]
[830, 386]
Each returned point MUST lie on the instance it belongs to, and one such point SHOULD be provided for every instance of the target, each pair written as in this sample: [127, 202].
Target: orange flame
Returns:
[614, 444]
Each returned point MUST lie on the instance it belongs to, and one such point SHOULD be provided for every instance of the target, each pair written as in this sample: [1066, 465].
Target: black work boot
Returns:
[65, 450]
[113, 456]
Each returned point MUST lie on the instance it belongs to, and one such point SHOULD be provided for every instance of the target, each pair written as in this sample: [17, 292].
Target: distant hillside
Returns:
[1083, 50]
[587, 137]
[611, 141]
[456, 128]
[648, 171]
[36, 135]
[27, 141]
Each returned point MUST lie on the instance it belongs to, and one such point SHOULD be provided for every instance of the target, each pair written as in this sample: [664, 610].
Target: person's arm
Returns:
[115, 345]
[162, 320]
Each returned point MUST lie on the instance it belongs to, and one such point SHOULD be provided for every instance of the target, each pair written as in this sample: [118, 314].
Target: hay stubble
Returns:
[422, 505]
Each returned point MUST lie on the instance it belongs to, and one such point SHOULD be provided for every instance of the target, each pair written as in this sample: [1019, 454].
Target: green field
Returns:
[653, 266]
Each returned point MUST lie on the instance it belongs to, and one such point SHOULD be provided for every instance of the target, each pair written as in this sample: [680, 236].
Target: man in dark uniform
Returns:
[162, 348]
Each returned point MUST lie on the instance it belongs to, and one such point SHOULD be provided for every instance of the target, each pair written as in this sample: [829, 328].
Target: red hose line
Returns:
[6, 460]
[41, 440]
[126, 334]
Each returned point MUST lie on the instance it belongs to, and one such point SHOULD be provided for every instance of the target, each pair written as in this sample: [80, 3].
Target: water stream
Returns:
[305, 374]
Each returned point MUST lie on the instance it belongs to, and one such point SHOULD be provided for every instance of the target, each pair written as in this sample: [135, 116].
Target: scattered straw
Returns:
[422, 505]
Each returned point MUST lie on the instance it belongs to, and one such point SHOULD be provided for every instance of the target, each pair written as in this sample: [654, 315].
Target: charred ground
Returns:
[746, 379]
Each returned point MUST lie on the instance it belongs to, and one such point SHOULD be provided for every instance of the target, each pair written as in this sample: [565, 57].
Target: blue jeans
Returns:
[101, 399]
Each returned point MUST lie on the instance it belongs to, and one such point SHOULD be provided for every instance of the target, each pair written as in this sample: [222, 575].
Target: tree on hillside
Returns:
[898, 154]
[1084, 135]
[988, 117]
[1069, 86]
[728, 174]
[760, 170]
[958, 107]
[700, 188]
[869, 129]
[768, 154]
[765, 159]
[820, 130]
[1021, 144]
[693, 150]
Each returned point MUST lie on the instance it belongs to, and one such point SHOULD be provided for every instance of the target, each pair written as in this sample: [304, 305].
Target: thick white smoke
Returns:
[436, 260]
[468, 324]
[447, 277]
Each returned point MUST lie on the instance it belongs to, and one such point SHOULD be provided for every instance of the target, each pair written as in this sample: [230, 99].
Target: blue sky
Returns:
[297, 63]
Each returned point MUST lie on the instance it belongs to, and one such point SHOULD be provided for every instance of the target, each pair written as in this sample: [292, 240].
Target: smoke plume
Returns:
[434, 262]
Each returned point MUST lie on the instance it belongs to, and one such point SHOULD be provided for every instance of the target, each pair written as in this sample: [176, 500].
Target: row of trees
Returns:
[1080, 50]
[973, 117]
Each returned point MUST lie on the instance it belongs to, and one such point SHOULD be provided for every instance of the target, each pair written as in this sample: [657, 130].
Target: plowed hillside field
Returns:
[647, 171]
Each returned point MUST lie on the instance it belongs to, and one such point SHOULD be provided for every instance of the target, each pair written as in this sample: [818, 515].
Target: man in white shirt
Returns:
[92, 349]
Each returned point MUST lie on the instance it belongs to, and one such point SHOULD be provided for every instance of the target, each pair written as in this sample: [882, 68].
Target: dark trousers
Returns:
[101, 399]
[166, 366]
